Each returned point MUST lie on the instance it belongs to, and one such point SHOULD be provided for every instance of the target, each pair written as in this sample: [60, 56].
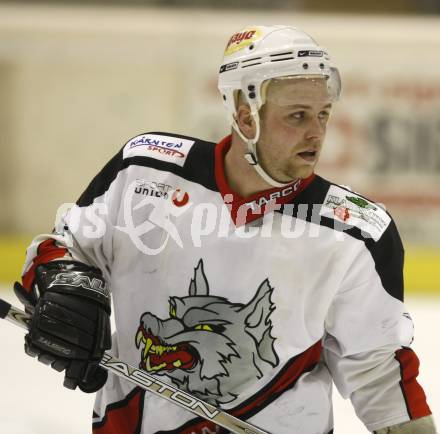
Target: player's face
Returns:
[293, 125]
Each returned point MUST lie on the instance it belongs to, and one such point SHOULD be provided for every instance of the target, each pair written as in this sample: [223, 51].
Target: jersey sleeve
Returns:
[85, 232]
[368, 337]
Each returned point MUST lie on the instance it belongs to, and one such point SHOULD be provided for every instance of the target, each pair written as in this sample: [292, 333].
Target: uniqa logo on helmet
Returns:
[242, 39]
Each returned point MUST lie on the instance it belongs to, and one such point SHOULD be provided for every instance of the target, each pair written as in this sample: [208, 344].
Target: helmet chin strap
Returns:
[251, 154]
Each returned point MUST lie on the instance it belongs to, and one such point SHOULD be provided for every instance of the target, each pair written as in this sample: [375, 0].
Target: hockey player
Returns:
[212, 289]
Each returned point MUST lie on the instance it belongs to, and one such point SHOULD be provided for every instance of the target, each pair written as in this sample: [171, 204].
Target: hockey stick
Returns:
[149, 382]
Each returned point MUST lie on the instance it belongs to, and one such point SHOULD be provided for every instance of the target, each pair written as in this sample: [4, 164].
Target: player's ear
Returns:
[245, 120]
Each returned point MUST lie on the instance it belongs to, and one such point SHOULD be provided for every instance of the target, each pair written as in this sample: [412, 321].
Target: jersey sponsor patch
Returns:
[354, 210]
[165, 148]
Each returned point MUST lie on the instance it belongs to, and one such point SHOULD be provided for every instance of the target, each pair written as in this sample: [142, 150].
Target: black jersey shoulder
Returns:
[198, 167]
[387, 252]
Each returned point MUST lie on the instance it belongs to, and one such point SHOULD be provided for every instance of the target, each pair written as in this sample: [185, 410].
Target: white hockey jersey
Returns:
[252, 304]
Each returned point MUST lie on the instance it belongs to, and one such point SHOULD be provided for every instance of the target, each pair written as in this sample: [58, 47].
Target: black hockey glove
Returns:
[70, 327]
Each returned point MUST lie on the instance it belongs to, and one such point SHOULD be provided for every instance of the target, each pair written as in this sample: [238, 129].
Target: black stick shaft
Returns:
[4, 308]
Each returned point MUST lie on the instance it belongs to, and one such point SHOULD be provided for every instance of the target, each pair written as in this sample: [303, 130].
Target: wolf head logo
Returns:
[209, 346]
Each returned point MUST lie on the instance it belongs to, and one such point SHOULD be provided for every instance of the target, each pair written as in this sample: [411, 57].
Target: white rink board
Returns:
[33, 401]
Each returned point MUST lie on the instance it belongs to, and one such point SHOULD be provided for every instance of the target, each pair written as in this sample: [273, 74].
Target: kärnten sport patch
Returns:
[166, 148]
[354, 210]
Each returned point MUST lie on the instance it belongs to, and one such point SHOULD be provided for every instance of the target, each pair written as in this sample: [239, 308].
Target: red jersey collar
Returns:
[246, 209]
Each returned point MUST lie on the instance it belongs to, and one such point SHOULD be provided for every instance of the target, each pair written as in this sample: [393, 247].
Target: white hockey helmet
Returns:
[260, 53]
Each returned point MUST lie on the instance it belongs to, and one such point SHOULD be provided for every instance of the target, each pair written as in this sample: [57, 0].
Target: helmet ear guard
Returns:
[258, 54]
[254, 105]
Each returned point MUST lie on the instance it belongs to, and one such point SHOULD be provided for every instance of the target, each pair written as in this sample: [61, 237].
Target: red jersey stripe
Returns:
[285, 380]
[123, 417]
[413, 393]
[47, 251]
